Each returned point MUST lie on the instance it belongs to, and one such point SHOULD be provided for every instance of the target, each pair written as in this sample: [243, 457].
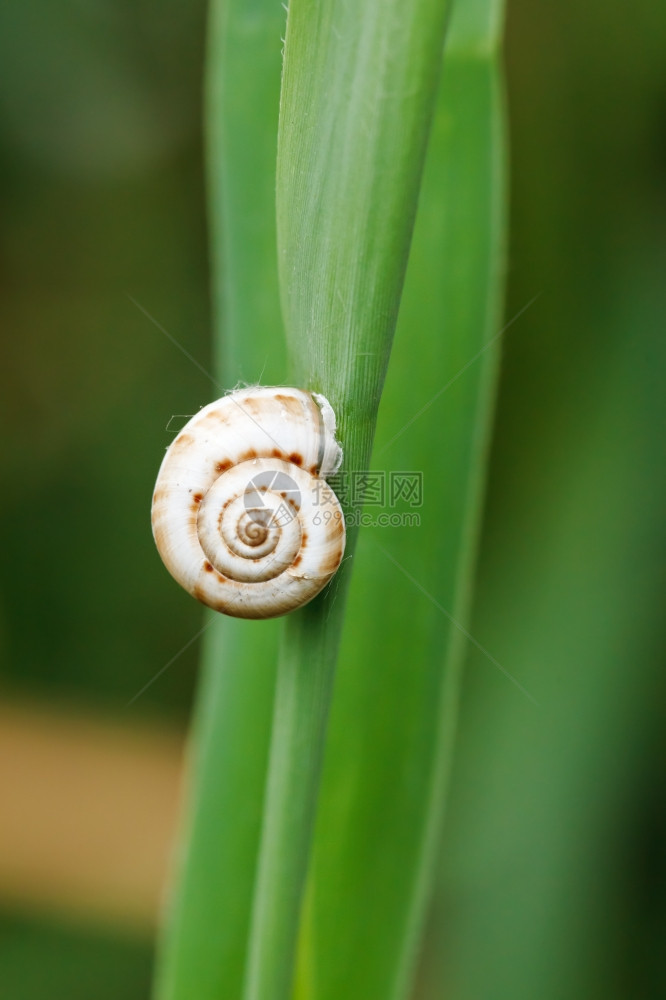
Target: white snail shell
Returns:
[242, 515]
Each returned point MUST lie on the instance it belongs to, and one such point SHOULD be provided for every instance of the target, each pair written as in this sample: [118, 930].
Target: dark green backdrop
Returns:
[554, 870]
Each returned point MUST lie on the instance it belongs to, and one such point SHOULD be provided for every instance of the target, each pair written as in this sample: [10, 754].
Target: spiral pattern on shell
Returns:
[242, 515]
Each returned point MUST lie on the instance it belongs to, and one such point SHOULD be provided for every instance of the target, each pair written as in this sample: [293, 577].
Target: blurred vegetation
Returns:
[553, 880]
[100, 131]
[42, 960]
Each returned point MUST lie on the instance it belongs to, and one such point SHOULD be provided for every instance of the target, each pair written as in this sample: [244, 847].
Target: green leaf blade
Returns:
[395, 706]
[358, 92]
[355, 111]
[203, 943]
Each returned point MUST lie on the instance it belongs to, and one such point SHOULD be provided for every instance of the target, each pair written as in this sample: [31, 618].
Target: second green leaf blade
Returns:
[394, 710]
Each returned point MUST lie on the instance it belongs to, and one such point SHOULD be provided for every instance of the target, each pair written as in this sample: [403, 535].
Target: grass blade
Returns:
[203, 946]
[358, 89]
[395, 706]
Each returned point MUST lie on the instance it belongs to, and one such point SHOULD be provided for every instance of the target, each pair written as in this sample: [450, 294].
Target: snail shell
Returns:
[242, 515]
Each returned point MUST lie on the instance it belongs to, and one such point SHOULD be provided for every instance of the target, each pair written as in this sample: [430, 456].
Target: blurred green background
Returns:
[553, 874]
